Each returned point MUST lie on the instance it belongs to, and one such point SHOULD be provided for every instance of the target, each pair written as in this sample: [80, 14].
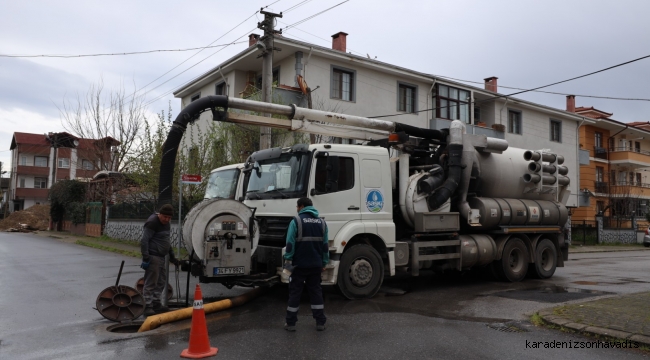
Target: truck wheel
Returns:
[545, 260]
[361, 272]
[514, 261]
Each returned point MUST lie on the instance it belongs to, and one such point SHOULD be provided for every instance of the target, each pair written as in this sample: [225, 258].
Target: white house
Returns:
[361, 86]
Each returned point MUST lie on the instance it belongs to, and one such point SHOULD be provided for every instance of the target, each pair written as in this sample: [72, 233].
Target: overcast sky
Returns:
[524, 43]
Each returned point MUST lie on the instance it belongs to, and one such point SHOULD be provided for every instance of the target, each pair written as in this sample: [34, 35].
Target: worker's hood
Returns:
[309, 209]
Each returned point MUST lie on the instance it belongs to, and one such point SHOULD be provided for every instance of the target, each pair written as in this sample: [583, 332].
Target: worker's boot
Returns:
[290, 327]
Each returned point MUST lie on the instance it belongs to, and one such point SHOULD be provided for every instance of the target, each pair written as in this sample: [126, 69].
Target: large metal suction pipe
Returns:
[534, 156]
[494, 144]
[535, 167]
[455, 150]
[547, 179]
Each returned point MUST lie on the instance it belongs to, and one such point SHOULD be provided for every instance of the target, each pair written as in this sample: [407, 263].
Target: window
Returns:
[514, 122]
[274, 82]
[343, 84]
[600, 174]
[87, 165]
[40, 183]
[195, 97]
[220, 88]
[406, 98]
[600, 206]
[631, 178]
[23, 160]
[638, 179]
[637, 146]
[610, 143]
[344, 181]
[452, 103]
[477, 114]
[64, 163]
[556, 130]
[40, 161]
[598, 141]
[21, 183]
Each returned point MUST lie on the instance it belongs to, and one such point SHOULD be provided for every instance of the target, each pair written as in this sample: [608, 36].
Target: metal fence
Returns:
[584, 232]
[617, 222]
[142, 210]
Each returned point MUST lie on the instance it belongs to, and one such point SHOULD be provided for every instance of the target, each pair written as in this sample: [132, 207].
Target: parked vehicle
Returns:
[446, 200]
[646, 238]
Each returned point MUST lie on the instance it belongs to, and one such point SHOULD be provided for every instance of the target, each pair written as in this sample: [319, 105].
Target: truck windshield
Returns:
[283, 177]
[222, 184]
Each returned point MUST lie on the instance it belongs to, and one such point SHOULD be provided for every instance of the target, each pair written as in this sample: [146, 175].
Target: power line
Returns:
[175, 76]
[549, 92]
[527, 90]
[296, 6]
[313, 16]
[299, 22]
[114, 54]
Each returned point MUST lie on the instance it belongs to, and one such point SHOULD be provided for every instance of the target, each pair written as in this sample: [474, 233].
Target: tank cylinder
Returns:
[477, 250]
[495, 212]
[551, 169]
[548, 157]
[547, 179]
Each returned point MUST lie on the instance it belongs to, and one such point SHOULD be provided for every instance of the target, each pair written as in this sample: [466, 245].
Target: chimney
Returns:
[253, 39]
[339, 41]
[571, 103]
[491, 83]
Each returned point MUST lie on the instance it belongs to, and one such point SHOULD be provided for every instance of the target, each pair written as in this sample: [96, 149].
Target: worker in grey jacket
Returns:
[155, 245]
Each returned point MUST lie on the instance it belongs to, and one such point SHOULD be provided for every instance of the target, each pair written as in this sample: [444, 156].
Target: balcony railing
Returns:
[603, 187]
[627, 148]
[601, 152]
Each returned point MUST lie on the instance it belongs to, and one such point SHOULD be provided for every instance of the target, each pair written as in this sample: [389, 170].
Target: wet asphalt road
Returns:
[48, 290]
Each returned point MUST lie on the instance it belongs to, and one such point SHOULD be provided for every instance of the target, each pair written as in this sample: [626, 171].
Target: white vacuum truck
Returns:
[409, 199]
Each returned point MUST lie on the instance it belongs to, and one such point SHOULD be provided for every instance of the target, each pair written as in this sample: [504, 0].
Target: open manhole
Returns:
[550, 294]
[506, 327]
[125, 328]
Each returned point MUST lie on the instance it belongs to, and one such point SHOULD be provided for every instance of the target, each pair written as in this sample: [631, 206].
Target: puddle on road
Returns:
[551, 294]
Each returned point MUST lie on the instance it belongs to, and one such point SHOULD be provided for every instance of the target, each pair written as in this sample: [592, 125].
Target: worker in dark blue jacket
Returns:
[306, 255]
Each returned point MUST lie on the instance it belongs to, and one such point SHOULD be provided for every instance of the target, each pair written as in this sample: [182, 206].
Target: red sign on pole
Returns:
[191, 179]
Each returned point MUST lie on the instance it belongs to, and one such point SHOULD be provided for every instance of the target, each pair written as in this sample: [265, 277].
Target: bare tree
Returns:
[111, 117]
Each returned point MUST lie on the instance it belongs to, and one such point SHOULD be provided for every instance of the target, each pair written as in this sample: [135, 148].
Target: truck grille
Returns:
[273, 230]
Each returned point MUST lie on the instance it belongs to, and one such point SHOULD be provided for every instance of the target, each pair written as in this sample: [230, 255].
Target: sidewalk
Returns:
[123, 247]
[623, 317]
[578, 249]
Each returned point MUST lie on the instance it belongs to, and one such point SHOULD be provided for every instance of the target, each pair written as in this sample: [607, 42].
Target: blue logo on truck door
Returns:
[374, 201]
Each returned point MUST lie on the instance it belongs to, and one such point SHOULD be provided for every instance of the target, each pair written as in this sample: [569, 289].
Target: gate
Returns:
[95, 219]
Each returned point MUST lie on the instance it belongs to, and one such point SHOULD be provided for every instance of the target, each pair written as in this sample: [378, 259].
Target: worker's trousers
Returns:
[155, 278]
[309, 278]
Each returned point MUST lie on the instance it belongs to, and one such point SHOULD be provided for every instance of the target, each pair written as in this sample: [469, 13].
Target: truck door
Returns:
[335, 189]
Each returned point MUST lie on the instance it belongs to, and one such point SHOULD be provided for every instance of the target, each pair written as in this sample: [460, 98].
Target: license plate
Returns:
[228, 270]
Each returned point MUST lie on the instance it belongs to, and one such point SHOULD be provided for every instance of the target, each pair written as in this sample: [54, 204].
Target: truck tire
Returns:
[361, 272]
[545, 260]
[513, 265]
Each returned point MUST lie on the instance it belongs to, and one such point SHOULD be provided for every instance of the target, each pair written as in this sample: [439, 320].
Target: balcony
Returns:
[439, 124]
[600, 152]
[23, 193]
[601, 187]
[622, 188]
[629, 156]
[33, 170]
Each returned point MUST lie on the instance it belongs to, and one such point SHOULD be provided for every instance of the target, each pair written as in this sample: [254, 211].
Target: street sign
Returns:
[191, 179]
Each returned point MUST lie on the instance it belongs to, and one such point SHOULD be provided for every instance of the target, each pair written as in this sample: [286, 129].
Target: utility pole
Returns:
[266, 45]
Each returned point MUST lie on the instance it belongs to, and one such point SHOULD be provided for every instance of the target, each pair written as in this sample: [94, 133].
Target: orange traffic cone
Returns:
[199, 342]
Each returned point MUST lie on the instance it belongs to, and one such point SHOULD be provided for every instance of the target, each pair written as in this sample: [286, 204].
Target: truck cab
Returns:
[225, 183]
[351, 188]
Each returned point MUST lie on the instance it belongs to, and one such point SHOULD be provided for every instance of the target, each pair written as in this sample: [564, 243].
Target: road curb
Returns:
[549, 317]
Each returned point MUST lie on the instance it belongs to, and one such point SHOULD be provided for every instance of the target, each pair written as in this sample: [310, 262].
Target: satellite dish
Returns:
[76, 143]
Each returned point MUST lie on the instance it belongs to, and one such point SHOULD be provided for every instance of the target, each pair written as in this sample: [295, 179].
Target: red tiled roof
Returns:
[41, 140]
[28, 139]
[592, 112]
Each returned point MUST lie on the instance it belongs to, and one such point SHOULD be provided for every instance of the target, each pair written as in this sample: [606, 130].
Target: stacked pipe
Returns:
[547, 174]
